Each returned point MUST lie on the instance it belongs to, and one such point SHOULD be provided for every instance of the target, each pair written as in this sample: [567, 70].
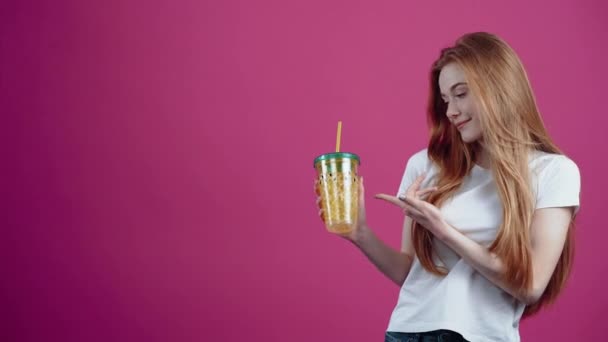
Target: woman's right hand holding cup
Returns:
[360, 224]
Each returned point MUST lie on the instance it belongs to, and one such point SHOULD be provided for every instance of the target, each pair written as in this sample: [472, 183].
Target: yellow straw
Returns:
[338, 136]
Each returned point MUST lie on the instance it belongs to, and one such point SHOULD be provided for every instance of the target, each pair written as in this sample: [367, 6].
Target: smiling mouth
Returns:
[459, 126]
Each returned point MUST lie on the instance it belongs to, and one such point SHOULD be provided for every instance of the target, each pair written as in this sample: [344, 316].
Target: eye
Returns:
[461, 95]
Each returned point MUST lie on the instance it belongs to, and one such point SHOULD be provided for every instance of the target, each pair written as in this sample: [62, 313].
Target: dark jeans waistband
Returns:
[429, 336]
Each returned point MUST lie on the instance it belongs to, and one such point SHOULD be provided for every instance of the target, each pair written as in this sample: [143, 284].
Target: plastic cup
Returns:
[338, 187]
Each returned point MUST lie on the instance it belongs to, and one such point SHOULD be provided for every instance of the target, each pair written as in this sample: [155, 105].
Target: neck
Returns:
[483, 158]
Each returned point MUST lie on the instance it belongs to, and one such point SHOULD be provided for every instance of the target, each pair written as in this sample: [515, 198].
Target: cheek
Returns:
[471, 109]
[476, 130]
[469, 106]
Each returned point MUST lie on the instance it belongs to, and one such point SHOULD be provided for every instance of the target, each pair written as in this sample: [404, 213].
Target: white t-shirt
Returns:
[465, 301]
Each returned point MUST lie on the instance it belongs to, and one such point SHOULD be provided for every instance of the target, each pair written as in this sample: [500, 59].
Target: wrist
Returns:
[359, 235]
[445, 233]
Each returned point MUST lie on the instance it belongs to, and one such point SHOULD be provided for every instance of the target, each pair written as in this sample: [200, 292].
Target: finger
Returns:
[414, 187]
[361, 187]
[361, 193]
[429, 189]
[425, 192]
[362, 215]
[391, 199]
[407, 207]
[412, 202]
[420, 178]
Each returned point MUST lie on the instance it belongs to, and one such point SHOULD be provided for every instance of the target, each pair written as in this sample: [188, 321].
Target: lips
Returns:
[462, 123]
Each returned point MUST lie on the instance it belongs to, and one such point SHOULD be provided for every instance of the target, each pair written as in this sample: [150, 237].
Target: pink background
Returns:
[157, 160]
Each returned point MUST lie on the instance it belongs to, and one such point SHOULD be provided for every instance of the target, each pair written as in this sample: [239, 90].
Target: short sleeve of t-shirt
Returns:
[416, 165]
[559, 184]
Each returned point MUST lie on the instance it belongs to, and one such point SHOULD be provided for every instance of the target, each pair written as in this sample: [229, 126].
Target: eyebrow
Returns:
[454, 86]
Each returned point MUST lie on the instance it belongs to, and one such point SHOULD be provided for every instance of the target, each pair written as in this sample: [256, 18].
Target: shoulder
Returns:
[417, 164]
[420, 163]
[543, 164]
[419, 159]
[556, 180]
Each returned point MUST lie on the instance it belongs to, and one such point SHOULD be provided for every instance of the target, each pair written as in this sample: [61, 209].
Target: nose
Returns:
[452, 111]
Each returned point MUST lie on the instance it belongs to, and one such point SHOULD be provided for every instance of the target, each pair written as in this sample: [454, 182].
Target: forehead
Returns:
[450, 74]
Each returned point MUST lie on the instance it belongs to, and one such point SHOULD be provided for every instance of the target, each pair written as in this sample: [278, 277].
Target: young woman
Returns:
[489, 205]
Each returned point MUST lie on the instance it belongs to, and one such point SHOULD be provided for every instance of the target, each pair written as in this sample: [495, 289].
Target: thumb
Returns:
[390, 199]
[361, 214]
[361, 192]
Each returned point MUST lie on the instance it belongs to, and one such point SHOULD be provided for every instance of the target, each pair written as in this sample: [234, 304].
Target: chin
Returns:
[470, 135]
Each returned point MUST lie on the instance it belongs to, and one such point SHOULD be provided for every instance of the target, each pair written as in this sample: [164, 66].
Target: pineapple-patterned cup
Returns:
[338, 187]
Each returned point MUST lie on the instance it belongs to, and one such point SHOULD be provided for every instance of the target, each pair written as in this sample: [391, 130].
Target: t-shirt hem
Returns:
[469, 335]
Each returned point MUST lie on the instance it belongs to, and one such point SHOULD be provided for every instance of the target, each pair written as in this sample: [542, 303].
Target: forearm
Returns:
[392, 263]
[483, 261]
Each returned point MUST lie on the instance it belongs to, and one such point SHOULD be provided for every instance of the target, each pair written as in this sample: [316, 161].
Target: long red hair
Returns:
[512, 127]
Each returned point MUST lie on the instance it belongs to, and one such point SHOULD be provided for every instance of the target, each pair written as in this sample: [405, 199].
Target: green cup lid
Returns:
[336, 155]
